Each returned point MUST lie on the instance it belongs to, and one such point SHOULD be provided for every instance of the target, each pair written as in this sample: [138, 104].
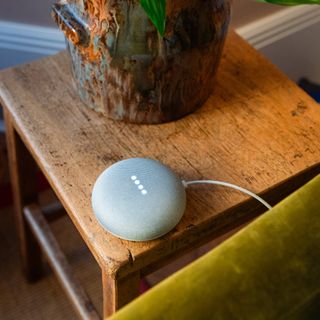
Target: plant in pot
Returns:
[145, 61]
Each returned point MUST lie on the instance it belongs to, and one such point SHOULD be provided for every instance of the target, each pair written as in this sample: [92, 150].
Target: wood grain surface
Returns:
[258, 130]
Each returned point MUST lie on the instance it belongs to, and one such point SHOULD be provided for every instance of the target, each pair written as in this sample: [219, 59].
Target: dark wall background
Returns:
[38, 11]
[26, 11]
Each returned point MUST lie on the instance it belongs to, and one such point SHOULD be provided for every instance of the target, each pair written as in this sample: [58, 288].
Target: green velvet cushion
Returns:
[269, 270]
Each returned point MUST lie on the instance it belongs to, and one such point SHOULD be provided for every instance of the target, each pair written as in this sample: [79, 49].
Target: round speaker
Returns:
[138, 199]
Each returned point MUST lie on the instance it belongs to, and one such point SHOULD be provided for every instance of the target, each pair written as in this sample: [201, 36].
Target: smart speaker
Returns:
[138, 199]
[141, 199]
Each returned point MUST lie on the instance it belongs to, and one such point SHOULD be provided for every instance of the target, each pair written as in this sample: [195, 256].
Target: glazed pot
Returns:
[124, 68]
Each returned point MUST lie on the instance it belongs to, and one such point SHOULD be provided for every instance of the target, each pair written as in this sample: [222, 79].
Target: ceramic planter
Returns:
[125, 69]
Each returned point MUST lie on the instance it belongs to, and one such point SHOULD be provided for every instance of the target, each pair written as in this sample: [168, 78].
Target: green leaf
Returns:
[156, 11]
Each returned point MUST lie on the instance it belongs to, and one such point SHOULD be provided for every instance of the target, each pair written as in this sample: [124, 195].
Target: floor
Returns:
[43, 299]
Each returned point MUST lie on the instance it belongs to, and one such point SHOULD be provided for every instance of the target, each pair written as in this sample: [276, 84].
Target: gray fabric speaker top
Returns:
[138, 199]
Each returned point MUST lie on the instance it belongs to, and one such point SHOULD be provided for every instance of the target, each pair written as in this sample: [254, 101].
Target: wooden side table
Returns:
[258, 130]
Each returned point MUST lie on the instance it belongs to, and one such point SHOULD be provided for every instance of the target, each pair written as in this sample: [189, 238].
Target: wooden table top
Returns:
[258, 130]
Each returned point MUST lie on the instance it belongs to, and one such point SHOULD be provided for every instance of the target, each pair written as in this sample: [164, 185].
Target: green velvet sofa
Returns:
[268, 270]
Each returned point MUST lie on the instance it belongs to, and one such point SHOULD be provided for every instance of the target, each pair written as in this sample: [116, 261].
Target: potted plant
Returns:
[144, 61]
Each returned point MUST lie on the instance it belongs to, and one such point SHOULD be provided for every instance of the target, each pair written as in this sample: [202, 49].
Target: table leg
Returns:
[118, 292]
[23, 180]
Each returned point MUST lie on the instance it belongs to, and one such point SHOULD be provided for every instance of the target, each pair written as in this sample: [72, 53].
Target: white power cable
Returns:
[229, 185]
